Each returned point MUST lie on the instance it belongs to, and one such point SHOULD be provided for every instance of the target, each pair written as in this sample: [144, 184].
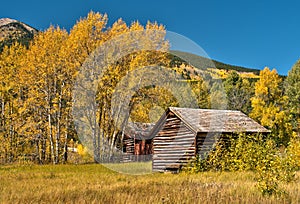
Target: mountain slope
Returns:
[204, 63]
[12, 30]
[192, 65]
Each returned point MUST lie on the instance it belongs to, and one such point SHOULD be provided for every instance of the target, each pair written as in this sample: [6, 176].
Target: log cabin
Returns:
[137, 143]
[182, 133]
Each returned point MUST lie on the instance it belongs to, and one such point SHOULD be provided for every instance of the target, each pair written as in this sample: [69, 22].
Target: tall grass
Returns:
[96, 184]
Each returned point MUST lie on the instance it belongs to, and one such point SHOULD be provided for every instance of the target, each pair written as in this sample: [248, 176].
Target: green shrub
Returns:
[257, 153]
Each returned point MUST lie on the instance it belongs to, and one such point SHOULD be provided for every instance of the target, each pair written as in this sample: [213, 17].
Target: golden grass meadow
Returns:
[94, 183]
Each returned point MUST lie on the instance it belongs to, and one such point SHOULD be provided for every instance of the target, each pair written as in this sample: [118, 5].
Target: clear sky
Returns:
[251, 33]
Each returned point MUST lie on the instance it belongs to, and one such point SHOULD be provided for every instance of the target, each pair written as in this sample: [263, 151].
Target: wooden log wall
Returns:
[206, 142]
[173, 145]
[129, 145]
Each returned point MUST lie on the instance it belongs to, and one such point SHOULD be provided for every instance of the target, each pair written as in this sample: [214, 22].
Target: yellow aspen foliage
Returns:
[81, 150]
[268, 105]
[37, 83]
[267, 93]
[11, 98]
[44, 81]
[86, 35]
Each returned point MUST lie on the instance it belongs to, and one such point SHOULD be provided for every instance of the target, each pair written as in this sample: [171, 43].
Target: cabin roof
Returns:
[210, 120]
[138, 131]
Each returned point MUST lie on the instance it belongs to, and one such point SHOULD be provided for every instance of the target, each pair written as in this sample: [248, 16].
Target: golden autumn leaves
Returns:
[37, 83]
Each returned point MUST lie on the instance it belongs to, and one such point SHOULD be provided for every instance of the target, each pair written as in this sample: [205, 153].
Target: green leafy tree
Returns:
[292, 87]
[201, 91]
[239, 92]
[218, 96]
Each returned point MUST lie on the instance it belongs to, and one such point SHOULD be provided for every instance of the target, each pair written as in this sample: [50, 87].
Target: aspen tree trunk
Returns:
[102, 135]
[2, 126]
[105, 133]
[51, 137]
[98, 139]
[115, 130]
[66, 148]
[3, 119]
[65, 155]
[37, 150]
[94, 125]
[57, 141]
[123, 132]
[2, 114]
[11, 134]
[58, 128]
[43, 146]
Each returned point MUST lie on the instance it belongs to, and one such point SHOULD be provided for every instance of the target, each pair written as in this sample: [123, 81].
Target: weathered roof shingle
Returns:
[138, 131]
[209, 120]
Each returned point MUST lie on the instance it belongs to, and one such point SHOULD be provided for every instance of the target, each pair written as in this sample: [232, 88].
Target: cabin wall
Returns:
[137, 150]
[128, 145]
[205, 142]
[173, 145]
[142, 147]
[137, 147]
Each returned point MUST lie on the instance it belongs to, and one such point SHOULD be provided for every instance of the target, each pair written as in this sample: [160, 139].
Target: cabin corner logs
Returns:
[182, 133]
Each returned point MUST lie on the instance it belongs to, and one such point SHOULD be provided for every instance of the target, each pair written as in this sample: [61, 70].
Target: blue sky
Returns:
[245, 33]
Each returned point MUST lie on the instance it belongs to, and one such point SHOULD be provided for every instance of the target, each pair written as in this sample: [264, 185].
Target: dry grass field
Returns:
[93, 183]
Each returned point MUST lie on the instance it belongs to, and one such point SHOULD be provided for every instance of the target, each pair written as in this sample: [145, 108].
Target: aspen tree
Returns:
[269, 105]
[10, 102]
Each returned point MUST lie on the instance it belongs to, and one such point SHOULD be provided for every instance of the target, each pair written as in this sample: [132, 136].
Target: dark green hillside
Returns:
[178, 57]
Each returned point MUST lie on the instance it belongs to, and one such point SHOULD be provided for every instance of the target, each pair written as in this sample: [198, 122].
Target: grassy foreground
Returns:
[96, 184]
